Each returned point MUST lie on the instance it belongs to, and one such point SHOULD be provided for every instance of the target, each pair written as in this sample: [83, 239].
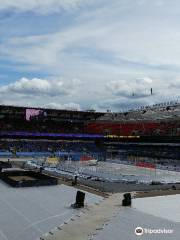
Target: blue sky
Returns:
[89, 53]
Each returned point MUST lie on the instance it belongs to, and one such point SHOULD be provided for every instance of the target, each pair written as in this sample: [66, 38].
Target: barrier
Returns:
[145, 165]
[33, 154]
[6, 154]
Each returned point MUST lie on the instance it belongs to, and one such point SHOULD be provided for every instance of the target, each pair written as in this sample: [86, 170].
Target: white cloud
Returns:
[69, 106]
[126, 94]
[49, 93]
[111, 48]
[35, 86]
[137, 88]
[133, 93]
[40, 6]
[143, 35]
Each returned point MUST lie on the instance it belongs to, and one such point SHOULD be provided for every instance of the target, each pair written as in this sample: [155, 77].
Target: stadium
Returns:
[89, 120]
[100, 153]
[147, 137]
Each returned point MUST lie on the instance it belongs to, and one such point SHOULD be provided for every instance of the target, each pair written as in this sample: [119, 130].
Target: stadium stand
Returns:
[78, 135]
[155, 120]
[44, 120]
[38, 148]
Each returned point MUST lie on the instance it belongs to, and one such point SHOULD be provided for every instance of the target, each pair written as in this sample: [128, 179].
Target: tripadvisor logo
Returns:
[139, 231]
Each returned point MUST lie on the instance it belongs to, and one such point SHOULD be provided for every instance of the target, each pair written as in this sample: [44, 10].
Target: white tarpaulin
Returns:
[28, 213]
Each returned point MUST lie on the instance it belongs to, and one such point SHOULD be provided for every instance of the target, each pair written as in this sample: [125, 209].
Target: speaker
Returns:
[127, 195]
[75, 181]
[80, 197]
[127, 199]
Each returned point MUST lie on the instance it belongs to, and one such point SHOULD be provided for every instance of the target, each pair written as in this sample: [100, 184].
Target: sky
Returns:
[89, 54]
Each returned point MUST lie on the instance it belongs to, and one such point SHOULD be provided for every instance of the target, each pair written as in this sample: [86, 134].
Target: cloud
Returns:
[138, 88]
[118, 49]
[121, 104]
[141, 35]
[41, 87]
[69, 106]
[40, 6]
[129, 94]
[35, 86]
[36, 92]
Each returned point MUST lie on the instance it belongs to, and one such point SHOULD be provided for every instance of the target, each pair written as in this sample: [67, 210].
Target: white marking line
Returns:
[44, 220]
[33, 201]
[3, 235]
[15, 209]
[19, 213]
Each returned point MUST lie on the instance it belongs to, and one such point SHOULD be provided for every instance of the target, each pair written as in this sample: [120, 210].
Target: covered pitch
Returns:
[28, 213]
